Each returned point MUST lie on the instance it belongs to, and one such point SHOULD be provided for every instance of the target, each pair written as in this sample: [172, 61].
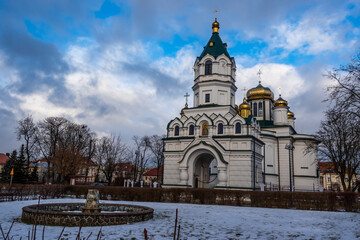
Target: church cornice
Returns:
[178, 138]
[281, 126]
[307, 176]
[197, 85]
[217, 74]
[239, 136]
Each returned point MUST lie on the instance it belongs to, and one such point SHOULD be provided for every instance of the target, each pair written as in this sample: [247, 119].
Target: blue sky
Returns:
[123, 67]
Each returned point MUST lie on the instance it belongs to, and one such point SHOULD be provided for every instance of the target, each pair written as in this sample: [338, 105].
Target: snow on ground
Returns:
[203, 222]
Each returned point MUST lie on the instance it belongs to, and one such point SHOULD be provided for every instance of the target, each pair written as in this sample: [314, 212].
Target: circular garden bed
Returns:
[70, 214]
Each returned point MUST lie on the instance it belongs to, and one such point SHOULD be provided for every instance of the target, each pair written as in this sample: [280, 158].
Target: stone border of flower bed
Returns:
[60, 214]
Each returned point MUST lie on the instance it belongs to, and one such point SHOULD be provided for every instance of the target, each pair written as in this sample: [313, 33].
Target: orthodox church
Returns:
[218, 144]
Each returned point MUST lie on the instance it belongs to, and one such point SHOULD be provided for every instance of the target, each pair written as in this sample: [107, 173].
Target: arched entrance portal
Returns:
[205, 171]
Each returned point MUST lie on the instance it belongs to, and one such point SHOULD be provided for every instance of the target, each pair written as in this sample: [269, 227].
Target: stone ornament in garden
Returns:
[92, 201]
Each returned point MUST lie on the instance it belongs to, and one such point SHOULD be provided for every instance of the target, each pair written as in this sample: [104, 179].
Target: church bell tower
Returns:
[214, 71]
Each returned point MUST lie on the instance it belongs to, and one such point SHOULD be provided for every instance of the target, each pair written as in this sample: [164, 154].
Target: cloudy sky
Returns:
[123, 67]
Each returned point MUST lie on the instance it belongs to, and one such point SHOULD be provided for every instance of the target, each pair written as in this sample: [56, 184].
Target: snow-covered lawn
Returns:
[203, 222]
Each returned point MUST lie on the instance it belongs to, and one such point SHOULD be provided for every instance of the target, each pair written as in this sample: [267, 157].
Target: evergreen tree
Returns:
[20, 172]
[34, 176]
[5, 173]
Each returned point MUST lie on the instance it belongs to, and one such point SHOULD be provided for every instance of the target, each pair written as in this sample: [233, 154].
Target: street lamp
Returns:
[291, 147]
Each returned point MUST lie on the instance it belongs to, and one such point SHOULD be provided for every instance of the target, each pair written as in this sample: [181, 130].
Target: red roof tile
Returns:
[126, 166]
[3, 159]
[326, 167]
[153, 172]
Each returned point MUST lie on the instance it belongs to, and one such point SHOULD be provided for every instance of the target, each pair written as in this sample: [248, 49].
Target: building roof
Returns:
[326, 167]
[3, 159]
[153, 172]
[125, 166]
[215, 47]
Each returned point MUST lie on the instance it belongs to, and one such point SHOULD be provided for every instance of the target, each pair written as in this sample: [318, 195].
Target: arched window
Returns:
[208, 67]
[205, 129]
[220, 128]
[191, 130]
[255, 109]
[177, 130]
[260, 109]
[238, 128]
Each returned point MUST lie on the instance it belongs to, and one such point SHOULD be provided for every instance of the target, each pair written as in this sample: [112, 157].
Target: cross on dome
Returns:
[186, 99]
[259, 74]
[244, 90]
[216, 10]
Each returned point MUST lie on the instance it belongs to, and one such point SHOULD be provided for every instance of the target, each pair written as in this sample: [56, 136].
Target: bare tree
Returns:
[156, 145]
[346, 91]
[339, 133]
[338, 139]
[26, 131]
[140, 156]
[111, 151]
[47, 139]
[72, 151]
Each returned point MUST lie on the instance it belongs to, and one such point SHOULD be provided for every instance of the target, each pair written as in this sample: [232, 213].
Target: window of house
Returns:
[237, 128]
[207, 97]
[260, 109]
[205, 129]
[321, 180]
[208, 67]
[191, 130]
[255, 109]
[220, 128]
[177, 131]
[329, 179]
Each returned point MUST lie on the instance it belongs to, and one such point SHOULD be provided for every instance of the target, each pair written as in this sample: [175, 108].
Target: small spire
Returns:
[259, 74]
[279, 88]
[215, 26]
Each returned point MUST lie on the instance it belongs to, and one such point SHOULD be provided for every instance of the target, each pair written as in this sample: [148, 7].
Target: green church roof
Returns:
[215, 47]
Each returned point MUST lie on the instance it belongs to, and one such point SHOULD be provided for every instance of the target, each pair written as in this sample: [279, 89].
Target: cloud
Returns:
[274, 76]
[303, 87]
[314, 33]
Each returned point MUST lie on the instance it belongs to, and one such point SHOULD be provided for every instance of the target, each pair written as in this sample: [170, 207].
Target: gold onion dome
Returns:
[280, 102]
[182, 110]
[290, 114]
[259, 92]
[215, 26]
[244, 109]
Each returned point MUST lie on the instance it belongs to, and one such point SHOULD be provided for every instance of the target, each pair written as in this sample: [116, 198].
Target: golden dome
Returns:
[260, 92]
[244, 105]
[290, 114]
[215, 26]
[280, 102]
[244, 109]
[182, 110]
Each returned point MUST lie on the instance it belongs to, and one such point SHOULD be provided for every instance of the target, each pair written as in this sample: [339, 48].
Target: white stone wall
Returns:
[280, 116]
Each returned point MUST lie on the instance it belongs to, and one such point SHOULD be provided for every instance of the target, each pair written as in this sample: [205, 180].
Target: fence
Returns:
[322, 201]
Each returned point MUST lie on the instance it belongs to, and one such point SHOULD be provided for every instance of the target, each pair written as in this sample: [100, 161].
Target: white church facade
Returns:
[217, 144]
